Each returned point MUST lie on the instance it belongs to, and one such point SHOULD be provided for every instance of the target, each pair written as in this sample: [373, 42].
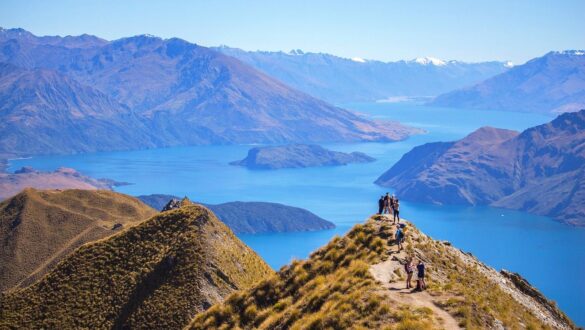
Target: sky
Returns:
[468, 30]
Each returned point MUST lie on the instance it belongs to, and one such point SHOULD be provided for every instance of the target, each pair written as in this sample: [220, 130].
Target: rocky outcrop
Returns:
[298, 156]
[522, 284]
[540, 170]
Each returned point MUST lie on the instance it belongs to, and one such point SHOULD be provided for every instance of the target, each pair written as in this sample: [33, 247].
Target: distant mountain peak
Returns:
[358, 59]
[429, 61]
[296, 52]
[570, 52]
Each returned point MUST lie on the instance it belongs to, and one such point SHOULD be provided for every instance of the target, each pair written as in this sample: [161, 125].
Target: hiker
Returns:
[381, 205]
[387, 203]
[420, 276]
[409, 269]
[399, 237]
[396, 209]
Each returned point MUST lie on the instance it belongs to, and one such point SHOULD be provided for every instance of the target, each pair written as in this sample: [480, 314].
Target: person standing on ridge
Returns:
[409, 269]
[387, 203]
[396, 210]
[381, 205]
[420, 276]
[399, 237]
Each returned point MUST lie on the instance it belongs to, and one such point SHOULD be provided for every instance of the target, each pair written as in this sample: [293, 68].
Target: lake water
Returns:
[550, 255]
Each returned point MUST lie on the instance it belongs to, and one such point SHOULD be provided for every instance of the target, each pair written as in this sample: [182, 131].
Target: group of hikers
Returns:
[389, 205]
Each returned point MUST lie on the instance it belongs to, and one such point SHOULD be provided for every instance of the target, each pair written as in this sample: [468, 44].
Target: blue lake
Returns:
[542, 250]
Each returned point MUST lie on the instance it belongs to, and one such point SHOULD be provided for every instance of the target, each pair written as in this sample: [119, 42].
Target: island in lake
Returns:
[254, 217]
[298, 156]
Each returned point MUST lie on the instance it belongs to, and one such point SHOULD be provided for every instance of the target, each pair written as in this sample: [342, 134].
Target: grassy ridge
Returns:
[40, 228]
[335, 289]
[155, 275]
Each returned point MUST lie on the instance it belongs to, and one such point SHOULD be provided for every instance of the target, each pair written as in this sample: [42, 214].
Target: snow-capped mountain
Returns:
[337, 79]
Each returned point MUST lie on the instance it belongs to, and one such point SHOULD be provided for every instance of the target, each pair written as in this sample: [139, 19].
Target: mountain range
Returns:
[82, 94]
[340, 80]
[553, 83]
[539, 170]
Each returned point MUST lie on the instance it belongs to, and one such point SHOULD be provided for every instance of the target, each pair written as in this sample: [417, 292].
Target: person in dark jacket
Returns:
[381, 205]
[420, 276]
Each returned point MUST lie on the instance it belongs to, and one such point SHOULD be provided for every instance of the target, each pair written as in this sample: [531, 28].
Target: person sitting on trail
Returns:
[381, 205]
[396, 209]
[387, 203]
[420, 276]
[409, 269]
[399, 238]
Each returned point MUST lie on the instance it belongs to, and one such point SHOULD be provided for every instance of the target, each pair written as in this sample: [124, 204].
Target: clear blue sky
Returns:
[471, 30]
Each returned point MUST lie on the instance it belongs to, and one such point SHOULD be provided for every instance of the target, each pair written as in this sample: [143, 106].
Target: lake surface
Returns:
[542, 250]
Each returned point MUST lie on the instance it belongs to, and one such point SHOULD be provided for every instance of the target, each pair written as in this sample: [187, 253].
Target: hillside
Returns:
[552, 83]
[62, 178]
[341, 80]
[182, 93]
[298, 156]
[156, 275]
[38, 229]
[255, 217]
[357, 281]
[540, 170]
[45, 111]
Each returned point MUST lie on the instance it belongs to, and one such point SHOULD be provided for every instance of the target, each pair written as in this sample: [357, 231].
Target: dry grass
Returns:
[39, 228]
[473, 299]
[332, 289]
[156, 275]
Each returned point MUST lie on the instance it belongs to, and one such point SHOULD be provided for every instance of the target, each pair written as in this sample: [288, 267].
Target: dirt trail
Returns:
[395, 288]
[42, 267]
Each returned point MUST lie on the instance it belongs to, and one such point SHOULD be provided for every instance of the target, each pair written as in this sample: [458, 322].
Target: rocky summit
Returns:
[539, 170]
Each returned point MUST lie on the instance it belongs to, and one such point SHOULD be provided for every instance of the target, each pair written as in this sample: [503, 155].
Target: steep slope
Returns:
[356, 281]
[339, 80]
[38, 229]
[254, 217]
[190, 94]
[62, 178]
[43, 111]
[554, 83]
[540, 170]
[156, 275]
[298, 156]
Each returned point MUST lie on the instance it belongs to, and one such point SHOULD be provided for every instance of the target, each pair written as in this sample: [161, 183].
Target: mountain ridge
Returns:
[539, 170]
[552, 83]
[342, 80]
[157, 274]
[179, 93]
